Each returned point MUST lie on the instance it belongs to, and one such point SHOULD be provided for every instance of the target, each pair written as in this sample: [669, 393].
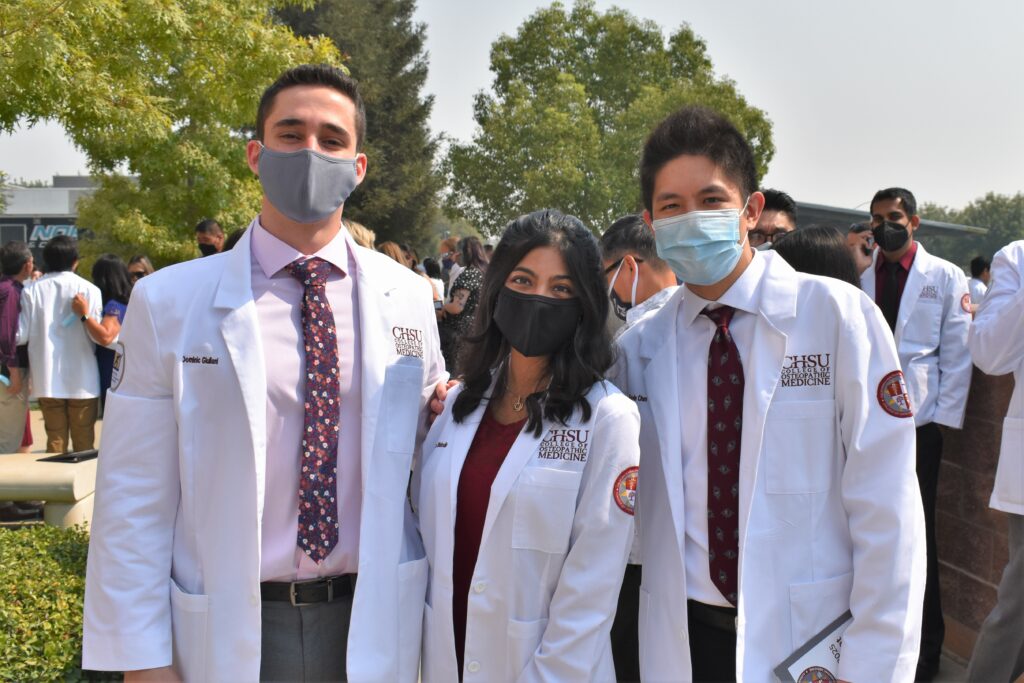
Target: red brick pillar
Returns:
[971, 535]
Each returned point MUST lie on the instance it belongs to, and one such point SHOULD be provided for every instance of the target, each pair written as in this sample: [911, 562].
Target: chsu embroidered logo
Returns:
[807, 370]
[408, 341]
[565, 444]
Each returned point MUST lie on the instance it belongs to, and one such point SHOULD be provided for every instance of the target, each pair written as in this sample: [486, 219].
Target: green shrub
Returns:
[42, 586]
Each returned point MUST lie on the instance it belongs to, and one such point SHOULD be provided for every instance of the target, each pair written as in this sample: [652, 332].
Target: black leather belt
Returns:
[310, 592]
[722, 618]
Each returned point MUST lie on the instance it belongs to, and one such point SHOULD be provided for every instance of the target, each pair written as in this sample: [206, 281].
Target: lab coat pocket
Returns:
[923, 324]
[813, 606]
[433, 655]
[188, 624]
[545, 506]
[400, 407]
[1010, 470]
[523, 640]
[412, 592]
[800, 446]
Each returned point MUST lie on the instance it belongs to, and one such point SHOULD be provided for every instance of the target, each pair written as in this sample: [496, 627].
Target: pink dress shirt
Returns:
[278, 298]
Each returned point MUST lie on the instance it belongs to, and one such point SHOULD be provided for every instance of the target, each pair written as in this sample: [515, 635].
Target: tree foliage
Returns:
[1002, 215]
[384, 50]
[575, 94]
[162, 90]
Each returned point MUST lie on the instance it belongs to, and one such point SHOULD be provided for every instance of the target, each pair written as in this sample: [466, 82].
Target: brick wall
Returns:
[971, 536]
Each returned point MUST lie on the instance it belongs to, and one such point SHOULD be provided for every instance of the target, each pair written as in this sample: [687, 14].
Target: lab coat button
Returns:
[479, 587]
[473, 667]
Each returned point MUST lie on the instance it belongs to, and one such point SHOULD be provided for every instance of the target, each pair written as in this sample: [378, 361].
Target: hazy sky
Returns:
[927, 94]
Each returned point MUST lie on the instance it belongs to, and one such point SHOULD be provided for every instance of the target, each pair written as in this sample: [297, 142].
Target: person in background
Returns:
[997, 347]
[463, 295]
[777, 218]
[110, 274]
[233, 239]
[638, 281]
[17, 265]
[446, 253]
[139, 266]
[393, 251]
[488, 251]
[981, 276]
[209, 237]
[361, 234]
[62, 357]
[924, 300]
[432, 270]
[861, 244]
[527, 484]
[819, 250]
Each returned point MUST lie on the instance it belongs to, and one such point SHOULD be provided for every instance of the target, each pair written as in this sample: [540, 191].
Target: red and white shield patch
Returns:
[893, 397]
[965, 303]
[624, 490]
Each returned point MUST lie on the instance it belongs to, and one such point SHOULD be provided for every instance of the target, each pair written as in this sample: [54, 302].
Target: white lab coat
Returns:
[174, 558]
[997, 348]
[553, 549]
[62, 357]
[931, 336]
[830, 515]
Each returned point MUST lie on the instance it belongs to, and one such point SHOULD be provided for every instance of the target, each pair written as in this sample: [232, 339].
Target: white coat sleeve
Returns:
[997, 333]
[954, 358]
[25, 317]
[583, 605]
[883, 504]
[127, 622]
[433, 364]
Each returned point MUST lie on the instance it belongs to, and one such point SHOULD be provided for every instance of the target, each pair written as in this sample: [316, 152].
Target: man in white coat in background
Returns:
[926, 303]
[260, 432]
[997, 348]
[777, 450]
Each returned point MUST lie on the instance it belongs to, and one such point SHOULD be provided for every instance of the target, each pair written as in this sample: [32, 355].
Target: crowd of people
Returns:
[704, 447]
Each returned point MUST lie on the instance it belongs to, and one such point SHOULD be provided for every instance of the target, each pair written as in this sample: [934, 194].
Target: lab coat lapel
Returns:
[659, 349]
[916, 280]
[522, 451]
[241, 332]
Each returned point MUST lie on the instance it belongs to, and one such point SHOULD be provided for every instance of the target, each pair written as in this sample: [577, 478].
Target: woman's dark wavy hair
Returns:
[110, 274]
[473, 254]
[576, 366]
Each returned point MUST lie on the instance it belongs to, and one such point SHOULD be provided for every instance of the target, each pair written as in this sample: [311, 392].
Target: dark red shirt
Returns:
[10, 307]
[490, 446]
[902, 272]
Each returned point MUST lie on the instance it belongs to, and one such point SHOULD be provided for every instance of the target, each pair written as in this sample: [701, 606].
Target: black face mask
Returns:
[208, 249]
[536, 325]
[890, 236]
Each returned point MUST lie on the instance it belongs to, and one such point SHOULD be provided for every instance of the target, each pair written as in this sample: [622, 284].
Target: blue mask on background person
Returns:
[701, 247]
[304, 185]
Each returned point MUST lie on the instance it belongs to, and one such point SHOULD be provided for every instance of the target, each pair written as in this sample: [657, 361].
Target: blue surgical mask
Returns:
[701, 247]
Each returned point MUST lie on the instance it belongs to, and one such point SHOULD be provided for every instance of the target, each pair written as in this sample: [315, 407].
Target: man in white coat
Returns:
[296, 353]
[997, 347]
[926, 303]
[777, 487]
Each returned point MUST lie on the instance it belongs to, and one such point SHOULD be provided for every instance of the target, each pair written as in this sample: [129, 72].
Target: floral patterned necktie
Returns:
[318, 485]
[725, 422]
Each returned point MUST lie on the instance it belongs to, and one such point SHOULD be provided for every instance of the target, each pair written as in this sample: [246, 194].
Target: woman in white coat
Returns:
[526, 488]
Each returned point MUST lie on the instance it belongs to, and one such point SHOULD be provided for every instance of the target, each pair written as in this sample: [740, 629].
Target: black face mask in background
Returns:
[208, 249]
[890, 236]
[536, 325]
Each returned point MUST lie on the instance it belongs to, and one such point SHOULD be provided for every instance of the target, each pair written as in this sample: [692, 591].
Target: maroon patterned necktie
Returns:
[318, 508]
[725, 422]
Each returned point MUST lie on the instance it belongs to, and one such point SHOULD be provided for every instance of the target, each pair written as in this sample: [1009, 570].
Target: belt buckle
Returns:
[296, 603]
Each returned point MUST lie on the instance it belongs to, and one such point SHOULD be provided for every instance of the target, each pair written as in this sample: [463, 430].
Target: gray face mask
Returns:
[304, 185]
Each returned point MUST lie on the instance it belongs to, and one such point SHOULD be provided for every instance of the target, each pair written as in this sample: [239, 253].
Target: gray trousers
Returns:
[999, 653]
[305, 643]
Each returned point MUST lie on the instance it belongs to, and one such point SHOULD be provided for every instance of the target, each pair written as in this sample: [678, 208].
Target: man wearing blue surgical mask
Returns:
[769, 510]
[269, 401]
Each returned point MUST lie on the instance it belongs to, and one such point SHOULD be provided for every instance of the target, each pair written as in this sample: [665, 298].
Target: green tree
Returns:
[158, 94]
[1002, 215]
[574, 96]
[384, 50]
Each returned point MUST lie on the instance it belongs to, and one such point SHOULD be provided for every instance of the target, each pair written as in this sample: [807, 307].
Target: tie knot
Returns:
[721, 316]
[310, 272]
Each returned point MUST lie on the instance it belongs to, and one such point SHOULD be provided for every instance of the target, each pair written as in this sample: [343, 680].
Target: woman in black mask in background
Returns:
[528, 478]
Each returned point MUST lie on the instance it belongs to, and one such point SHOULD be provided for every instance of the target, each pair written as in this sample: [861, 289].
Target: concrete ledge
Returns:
[22, 478]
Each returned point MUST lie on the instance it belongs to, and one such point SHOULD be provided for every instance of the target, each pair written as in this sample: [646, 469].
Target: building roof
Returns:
[819, 214]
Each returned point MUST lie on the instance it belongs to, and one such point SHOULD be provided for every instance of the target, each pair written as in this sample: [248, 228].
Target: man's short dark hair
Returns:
[979, 264]
[701, 132]
[905, 196]
[630, 235]
[208, 226]
[858, 228]
[60, 254]
[777, 200]
[13, 257]
[314, 74]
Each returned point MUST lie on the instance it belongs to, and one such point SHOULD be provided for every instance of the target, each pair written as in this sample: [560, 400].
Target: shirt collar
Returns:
[743, 295]
[905, 261]
[273, 255]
